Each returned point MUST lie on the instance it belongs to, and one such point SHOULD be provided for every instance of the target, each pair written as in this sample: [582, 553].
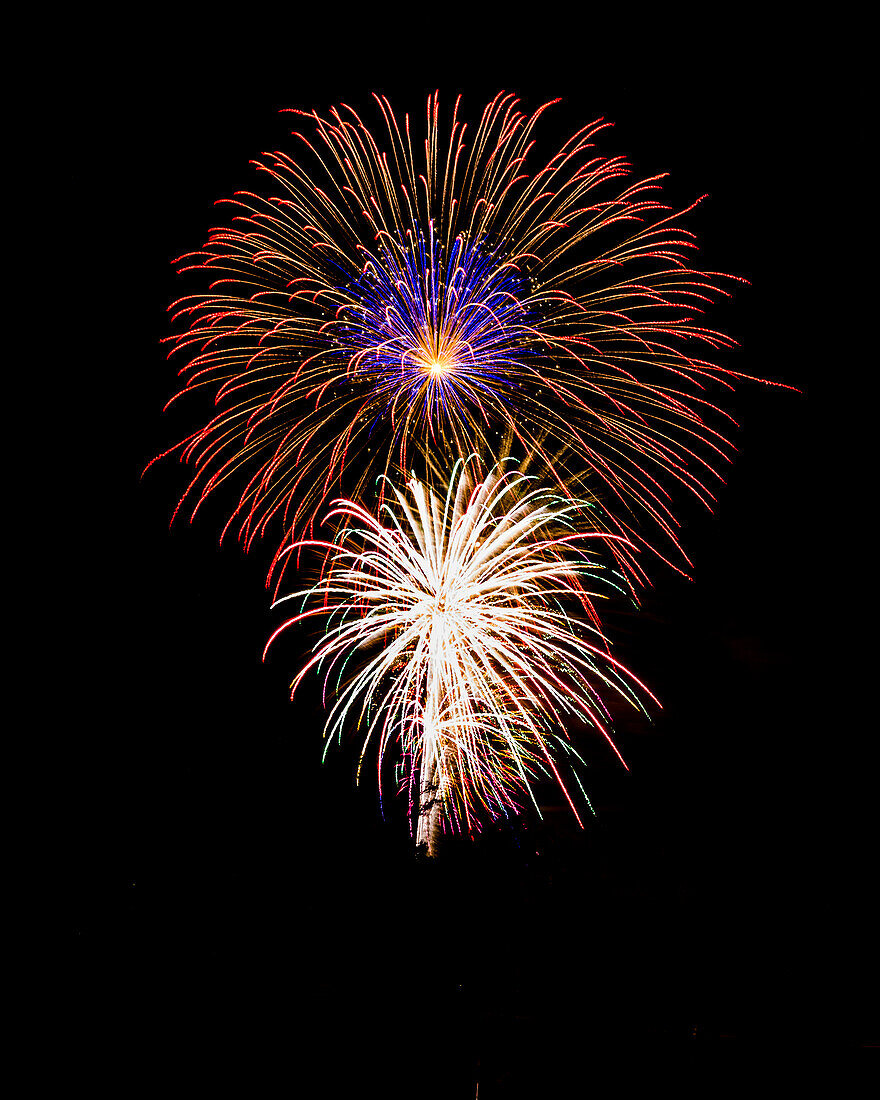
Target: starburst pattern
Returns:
[384, 296]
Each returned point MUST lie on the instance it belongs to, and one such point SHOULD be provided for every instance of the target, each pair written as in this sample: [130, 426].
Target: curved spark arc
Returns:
[387, 300]
[448, 636]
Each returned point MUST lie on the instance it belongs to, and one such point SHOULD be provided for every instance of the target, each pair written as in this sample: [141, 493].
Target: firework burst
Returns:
[387, 294]
[449, 637]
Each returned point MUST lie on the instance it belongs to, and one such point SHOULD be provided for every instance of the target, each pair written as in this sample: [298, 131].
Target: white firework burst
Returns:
[448, 636]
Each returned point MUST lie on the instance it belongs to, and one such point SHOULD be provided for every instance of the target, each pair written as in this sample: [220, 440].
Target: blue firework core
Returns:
[433, 334]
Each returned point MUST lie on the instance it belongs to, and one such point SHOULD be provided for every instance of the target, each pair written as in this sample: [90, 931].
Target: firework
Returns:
[388, 294]
[450, 637]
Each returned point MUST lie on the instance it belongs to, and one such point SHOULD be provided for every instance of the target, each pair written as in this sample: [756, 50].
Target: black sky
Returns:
[218, 879]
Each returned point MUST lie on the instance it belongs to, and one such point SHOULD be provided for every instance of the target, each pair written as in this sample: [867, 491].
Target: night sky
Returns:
[220, 883]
